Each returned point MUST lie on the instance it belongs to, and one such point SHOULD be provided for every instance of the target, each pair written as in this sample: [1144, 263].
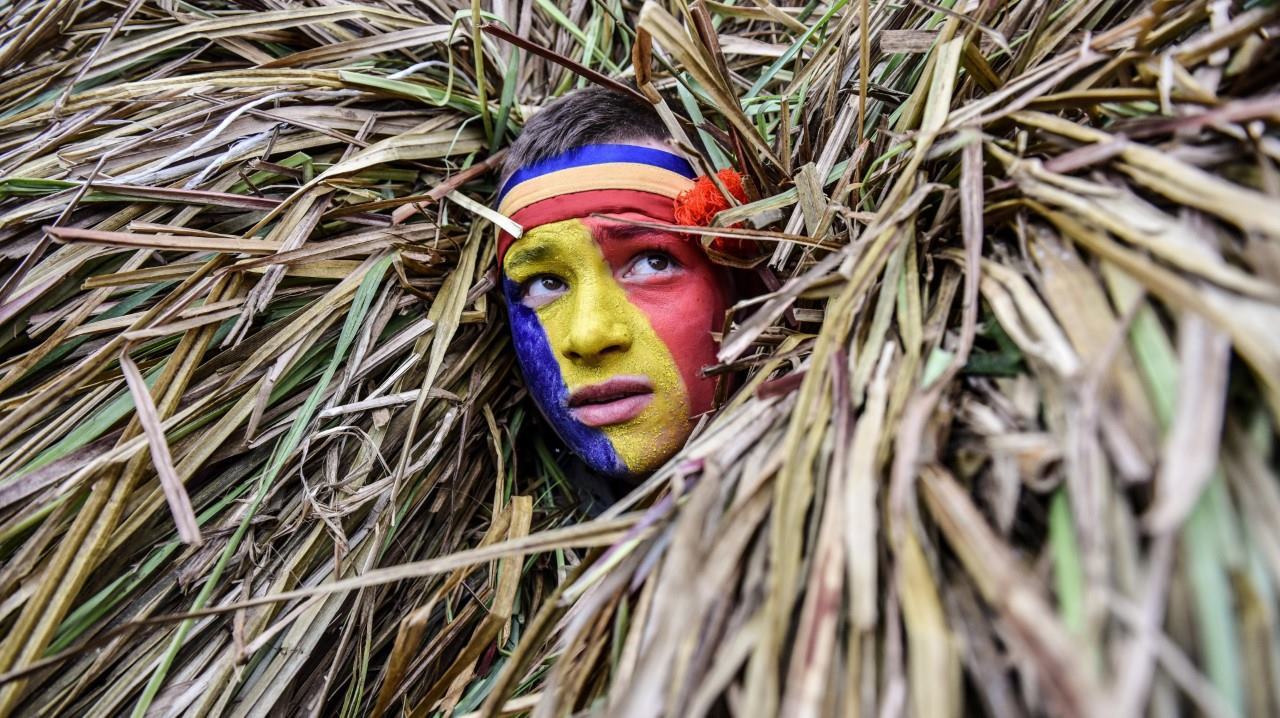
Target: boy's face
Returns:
[612, 324]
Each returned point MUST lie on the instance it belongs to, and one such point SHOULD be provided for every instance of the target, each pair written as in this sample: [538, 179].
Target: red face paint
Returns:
[684, 306]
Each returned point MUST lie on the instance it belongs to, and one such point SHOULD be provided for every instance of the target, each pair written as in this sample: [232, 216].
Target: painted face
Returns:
[612, 324]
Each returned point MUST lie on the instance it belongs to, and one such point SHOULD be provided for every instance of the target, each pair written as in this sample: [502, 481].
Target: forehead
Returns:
[598, 238]
[549, 241]
[610, 234]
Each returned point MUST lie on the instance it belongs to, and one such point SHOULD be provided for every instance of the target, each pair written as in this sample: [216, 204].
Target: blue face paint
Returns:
[546, 385]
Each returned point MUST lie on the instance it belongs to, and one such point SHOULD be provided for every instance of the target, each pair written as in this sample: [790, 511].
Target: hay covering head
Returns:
[611, 321]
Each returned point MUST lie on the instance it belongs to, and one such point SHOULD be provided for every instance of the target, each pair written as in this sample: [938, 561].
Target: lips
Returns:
[611, 402]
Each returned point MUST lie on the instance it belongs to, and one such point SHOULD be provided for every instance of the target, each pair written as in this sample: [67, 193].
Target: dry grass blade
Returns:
[998, 431]
[152, 241]
[174, 492]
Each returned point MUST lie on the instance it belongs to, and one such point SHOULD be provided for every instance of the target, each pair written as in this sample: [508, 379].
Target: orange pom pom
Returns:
[699, 205]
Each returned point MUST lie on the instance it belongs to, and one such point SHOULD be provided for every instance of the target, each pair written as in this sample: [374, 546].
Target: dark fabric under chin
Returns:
[595, 493]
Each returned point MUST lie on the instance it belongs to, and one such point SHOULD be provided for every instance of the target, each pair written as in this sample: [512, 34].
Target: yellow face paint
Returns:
[596, 334]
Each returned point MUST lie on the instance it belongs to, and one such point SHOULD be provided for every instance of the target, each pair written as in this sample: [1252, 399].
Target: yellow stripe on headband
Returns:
[611, 175]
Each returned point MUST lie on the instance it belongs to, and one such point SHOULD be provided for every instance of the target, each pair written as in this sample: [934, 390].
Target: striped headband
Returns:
[596, 167]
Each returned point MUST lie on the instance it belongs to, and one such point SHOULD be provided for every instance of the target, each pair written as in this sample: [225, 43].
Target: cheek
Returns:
[683, 315]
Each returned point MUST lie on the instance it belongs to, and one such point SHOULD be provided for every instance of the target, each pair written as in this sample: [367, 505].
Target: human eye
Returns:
[540, 289]
[651, 264]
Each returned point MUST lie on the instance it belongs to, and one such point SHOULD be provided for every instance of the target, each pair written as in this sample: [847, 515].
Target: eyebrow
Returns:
[528, 255]
[622, 232]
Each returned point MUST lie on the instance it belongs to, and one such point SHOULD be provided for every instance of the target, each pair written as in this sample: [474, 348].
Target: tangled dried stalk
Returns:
[1001, 437]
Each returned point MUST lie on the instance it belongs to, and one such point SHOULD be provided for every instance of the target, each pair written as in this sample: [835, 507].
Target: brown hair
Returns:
[587, 116]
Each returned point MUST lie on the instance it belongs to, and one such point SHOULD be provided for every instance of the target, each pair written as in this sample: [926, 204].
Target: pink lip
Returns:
[611, 402]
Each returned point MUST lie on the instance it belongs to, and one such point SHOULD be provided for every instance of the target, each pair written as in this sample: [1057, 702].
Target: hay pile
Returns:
[1002, 440]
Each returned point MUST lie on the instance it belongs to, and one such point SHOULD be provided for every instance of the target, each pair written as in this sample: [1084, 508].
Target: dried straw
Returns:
[1000, 440]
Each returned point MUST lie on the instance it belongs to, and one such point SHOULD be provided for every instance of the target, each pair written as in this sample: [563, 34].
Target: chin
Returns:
[634, 448]
[643, 467]
[648, 442]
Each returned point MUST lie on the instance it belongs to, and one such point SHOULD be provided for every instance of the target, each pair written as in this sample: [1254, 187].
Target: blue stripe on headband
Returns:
[598, 155]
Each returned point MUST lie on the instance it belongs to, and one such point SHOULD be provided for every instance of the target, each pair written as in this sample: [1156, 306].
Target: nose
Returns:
[596, 332]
